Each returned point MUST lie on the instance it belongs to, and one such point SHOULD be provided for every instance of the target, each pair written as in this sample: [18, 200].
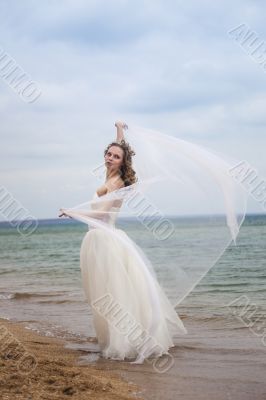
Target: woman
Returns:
[132, 316]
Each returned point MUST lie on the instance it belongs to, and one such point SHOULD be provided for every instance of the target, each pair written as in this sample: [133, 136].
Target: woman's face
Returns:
[114, 158]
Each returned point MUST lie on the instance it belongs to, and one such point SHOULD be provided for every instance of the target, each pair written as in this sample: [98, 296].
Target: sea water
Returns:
[40, 279]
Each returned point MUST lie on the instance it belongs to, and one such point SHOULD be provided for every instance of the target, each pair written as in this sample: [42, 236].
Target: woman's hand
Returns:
[121, 124]
[62, 213]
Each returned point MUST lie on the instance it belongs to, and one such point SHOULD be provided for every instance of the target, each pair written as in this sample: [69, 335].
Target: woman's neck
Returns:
[111, 174]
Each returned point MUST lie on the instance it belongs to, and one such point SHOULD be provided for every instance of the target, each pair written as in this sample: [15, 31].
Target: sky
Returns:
[172, 66]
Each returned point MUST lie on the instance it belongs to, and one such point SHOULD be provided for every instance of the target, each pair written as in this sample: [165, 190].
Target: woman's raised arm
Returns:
[120, 125]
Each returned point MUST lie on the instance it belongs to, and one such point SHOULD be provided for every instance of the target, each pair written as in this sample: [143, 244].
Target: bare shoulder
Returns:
[114, 184]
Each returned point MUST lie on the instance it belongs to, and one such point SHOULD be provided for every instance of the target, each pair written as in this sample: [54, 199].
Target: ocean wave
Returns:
[25, 295]
[7, 296]
[223, 285]
[54, 330]
[231, 289]
[61, 301]
[7, 272]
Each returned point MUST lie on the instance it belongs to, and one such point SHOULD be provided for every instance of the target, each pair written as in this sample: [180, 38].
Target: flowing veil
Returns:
[185, 209]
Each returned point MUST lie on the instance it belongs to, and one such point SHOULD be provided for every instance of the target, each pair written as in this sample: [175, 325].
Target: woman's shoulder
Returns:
[114, 184]
[110, 186]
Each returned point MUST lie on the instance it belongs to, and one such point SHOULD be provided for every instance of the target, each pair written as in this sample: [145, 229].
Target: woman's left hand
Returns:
[121, 124]
[62, 213]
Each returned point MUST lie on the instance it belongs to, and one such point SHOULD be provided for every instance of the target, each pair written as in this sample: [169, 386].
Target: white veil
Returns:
[185, 209]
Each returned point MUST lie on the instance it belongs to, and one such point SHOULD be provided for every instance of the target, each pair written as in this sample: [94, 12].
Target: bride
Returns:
[132, 315]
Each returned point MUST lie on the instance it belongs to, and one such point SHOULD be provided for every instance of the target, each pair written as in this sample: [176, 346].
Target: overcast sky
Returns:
[171, 66]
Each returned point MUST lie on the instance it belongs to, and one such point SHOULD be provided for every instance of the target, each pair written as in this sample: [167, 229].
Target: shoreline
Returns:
[220, 359]
[40, 367]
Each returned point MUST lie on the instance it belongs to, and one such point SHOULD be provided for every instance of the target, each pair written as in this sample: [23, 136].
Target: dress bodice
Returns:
[109, 218]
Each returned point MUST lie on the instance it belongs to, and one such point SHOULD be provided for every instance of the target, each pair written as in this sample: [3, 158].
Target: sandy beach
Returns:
[208, 363]
[132, 200]
[36, 367]
[46, 321]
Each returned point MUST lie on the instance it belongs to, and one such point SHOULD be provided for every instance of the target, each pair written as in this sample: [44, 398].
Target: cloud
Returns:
[170, 66]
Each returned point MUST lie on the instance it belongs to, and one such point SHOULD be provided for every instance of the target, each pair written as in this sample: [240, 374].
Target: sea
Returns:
[40, 279]
[223, 355]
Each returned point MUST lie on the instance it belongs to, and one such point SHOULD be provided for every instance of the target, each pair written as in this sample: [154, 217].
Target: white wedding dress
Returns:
[132, 316]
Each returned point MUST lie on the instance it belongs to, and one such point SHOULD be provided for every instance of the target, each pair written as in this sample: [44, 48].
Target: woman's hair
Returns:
[127, 173]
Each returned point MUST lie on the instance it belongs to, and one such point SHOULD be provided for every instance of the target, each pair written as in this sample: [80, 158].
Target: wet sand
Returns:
[213, 361]
[38, 367]
[219, 360]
